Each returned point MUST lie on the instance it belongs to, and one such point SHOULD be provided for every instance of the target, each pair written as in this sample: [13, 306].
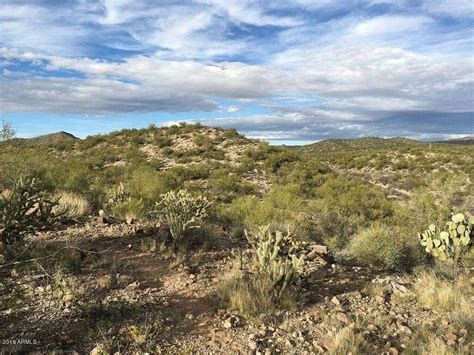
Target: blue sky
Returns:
[290, 71]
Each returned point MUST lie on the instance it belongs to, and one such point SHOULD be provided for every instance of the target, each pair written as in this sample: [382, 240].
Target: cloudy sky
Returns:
[286, 71]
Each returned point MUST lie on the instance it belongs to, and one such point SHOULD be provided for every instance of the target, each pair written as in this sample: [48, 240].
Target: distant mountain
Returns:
[47, 139]
[463, 141]
[366, 143]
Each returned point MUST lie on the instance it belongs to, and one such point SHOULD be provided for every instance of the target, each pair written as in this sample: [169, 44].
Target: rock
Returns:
[317, 252]
[231, 322]
[253, 345]
[132, 285]
[380, 299]
[102, 213]
[101, 220]
[392, 351]
[100, 349]
[335, 301]
[130, 220]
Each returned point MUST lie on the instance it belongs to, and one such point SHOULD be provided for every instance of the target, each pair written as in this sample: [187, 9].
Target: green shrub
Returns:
[281, 205]
[276, 160]
[384, 247]
[121, 205]
[344, 206]
[162, 141]
[226, 185]
[230, 133]
[182, 211]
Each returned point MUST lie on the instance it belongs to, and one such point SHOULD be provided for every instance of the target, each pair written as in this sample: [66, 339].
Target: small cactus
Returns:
[24, 209]
[277, 257]
[450, 243]
[182, 211]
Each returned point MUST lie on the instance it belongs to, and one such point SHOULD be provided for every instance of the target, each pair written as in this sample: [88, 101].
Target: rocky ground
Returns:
[119, 290]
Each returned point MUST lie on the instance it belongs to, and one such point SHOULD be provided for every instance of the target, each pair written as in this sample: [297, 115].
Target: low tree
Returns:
[6, 132]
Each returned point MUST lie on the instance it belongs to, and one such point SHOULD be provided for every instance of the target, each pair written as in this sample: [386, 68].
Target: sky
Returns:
[287, 71]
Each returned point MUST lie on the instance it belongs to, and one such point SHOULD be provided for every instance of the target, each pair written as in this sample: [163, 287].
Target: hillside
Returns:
[462, 141]
[357, 144]
[398, 165]
[44, 140]
[309, 249]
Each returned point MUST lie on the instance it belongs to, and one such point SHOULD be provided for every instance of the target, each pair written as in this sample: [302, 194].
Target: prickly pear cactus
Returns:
[452, 242]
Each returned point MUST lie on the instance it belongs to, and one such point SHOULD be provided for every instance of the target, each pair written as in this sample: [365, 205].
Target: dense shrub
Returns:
[384, 247]
[162, 141]
[344, 206]
[276, 160]
[226, 185]
[282, 205]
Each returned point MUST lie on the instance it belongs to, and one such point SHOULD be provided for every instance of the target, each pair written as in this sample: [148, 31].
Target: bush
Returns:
[182, 211]
[162, 141]
[344, 206]
[121, 205]
[451, 298]
[282, 205]
[386, 248]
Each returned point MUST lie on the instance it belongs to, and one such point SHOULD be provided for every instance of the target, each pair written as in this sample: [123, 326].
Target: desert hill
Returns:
[365, 143]
[463, 141]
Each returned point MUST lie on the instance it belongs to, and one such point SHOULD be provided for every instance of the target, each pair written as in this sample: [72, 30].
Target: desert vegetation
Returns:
[196, 239]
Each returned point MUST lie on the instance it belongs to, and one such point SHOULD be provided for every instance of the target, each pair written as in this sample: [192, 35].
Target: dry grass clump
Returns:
[251, 295]
[443, 295]
[248, 295]
[452, 296]
[72, 205]
[426, 341]
[346, 341]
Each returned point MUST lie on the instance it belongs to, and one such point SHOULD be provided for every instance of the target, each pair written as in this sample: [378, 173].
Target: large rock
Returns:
[318, 252]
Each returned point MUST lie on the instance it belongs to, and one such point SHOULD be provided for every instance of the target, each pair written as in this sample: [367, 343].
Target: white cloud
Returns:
[455, 8]
[384, 25]
[317, 68]
[233, 109]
